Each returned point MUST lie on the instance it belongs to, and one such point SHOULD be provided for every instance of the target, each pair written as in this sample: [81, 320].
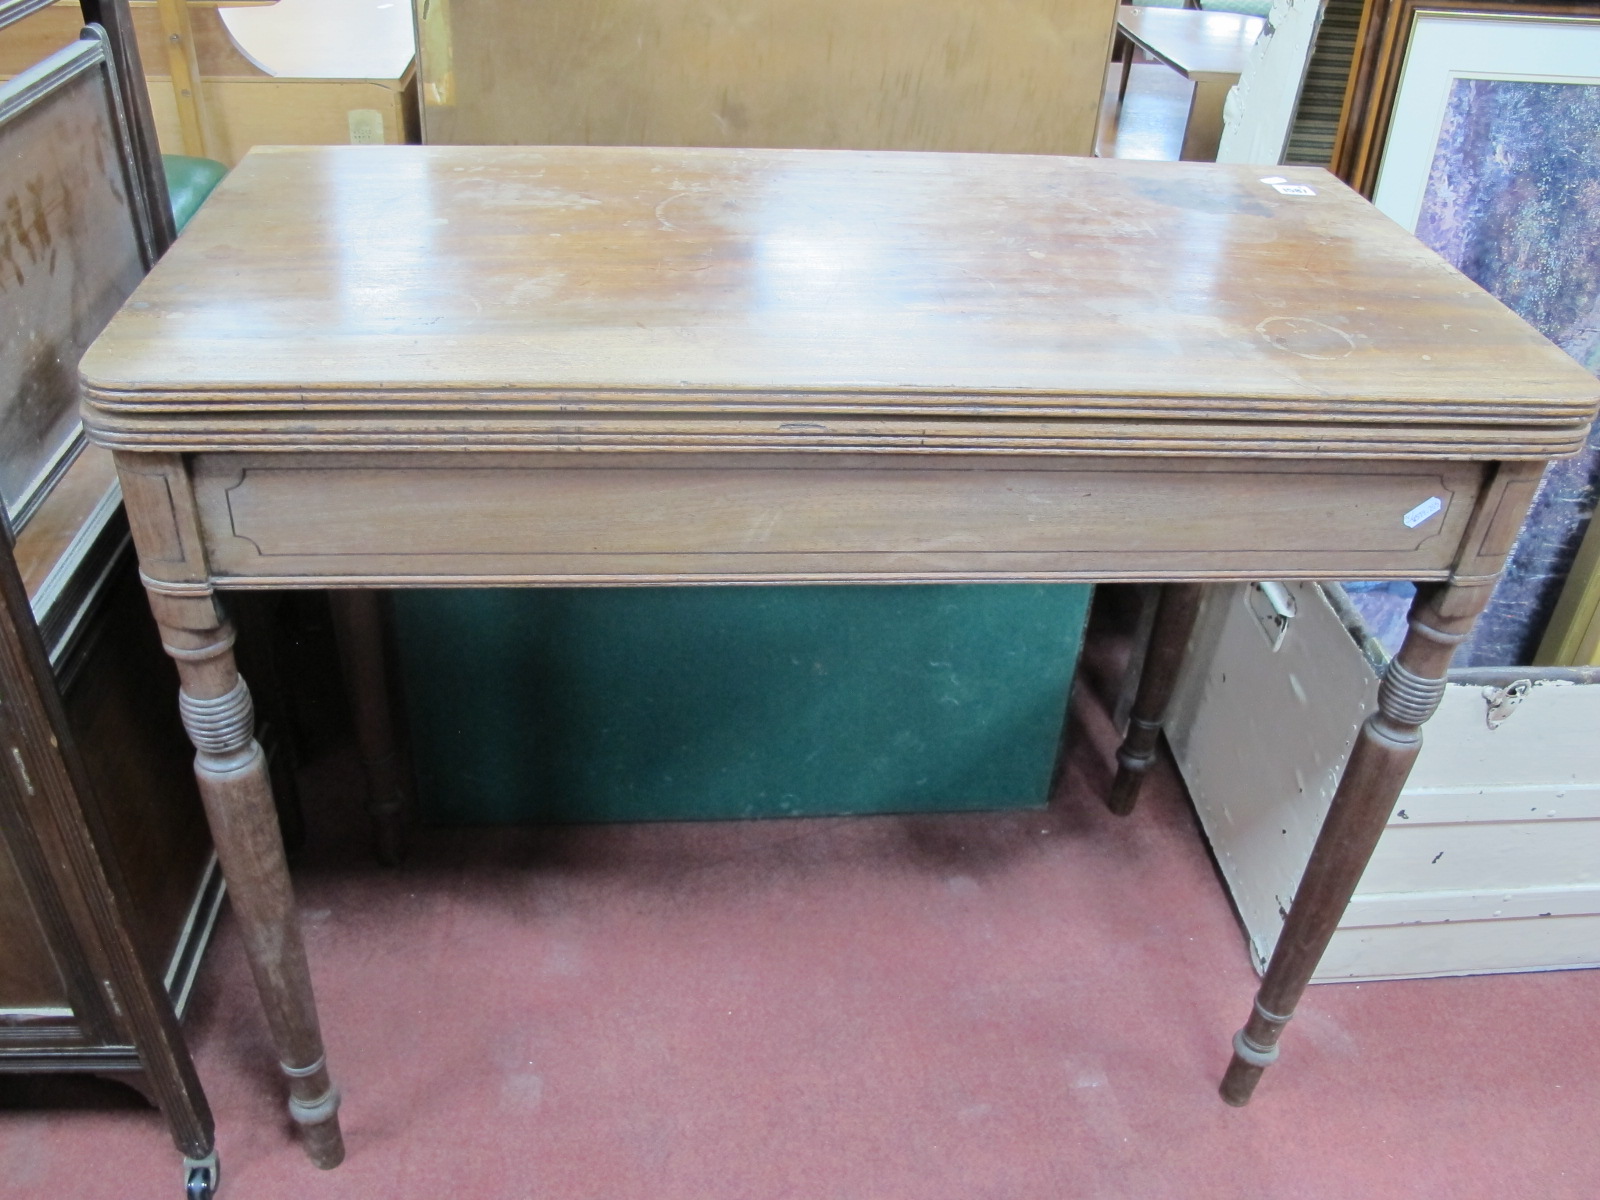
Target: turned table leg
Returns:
[1169, 637]
[1381, 759]
[363, 655]
[232, 774]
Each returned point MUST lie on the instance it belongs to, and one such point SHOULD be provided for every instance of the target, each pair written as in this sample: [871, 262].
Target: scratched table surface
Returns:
[886, 299]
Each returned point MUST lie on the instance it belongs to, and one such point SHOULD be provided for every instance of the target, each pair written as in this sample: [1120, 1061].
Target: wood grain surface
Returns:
[273, 519]
[645, 299]
[1006, 75]
[1192, 42]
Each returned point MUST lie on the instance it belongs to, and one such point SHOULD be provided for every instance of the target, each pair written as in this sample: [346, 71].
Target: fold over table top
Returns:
[466, 297]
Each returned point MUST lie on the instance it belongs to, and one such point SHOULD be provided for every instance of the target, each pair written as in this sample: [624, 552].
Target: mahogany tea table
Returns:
[382, 367]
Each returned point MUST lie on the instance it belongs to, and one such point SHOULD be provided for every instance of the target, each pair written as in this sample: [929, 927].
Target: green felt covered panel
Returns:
[631, 704]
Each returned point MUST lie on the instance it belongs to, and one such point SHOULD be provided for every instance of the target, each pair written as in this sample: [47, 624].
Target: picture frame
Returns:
[1388, 30]
[1573, 636]
[1448, 49]
[1480, 132]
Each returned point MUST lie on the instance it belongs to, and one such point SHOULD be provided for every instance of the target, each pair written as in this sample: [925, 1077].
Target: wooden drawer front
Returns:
[282, 517]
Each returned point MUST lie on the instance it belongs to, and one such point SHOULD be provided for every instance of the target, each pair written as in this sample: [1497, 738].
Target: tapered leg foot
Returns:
[1255, 1048]
[1175, 615]
[232, 773]
[315, 1108]
[1379, 762]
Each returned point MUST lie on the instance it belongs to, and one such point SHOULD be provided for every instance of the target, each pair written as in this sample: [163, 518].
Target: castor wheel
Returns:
[201, 1177]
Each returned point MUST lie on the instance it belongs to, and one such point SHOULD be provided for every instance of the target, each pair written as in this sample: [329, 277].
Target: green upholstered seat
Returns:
[189, 182]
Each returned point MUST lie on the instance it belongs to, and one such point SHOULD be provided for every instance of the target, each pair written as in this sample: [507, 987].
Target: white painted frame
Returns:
[1260, 108]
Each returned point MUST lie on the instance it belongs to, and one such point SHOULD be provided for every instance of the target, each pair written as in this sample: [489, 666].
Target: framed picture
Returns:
[1383, 47]
[1573, 636]
[1523, 82]
[1486, 143]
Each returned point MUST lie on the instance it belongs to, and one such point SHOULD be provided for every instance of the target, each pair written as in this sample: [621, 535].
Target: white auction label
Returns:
[1294, 189]
[1422, 512]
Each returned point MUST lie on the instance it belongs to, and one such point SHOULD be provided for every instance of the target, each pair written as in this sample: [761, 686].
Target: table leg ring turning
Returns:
[232, 773]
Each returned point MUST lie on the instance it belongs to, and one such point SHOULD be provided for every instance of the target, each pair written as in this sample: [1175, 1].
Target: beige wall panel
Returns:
[1020, 76]
[242, 113]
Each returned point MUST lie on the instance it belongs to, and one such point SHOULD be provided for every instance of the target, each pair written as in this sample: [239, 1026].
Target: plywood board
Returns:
[1015, 76]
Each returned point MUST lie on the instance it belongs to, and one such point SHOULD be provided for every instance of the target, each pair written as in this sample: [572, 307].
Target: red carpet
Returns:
[1010, 1007]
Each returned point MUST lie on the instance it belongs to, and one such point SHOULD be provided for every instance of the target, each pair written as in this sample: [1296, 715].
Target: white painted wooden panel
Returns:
[1467, 948]
[1491, 861]
[1484, 855]
[1533, 802]
[1552, 737]
[1260, 760]
[1410, 908]
[1260, 107]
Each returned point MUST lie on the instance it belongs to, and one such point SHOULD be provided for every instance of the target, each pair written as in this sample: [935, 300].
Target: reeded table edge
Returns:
[1148, 439]
[653, 402]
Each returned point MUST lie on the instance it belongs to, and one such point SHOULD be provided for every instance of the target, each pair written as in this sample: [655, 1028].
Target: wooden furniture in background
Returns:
[623, 366]
[1207, 48]
[108, 887]
[834, 74]
[211, 100]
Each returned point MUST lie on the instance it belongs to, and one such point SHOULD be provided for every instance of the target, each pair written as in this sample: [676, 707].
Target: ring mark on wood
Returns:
[1307, 337]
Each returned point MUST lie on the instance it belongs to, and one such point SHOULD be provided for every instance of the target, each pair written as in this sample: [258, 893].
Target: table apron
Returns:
[477, 518]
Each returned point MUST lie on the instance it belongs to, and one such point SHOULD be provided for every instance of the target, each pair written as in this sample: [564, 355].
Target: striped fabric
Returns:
[1316, 119]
